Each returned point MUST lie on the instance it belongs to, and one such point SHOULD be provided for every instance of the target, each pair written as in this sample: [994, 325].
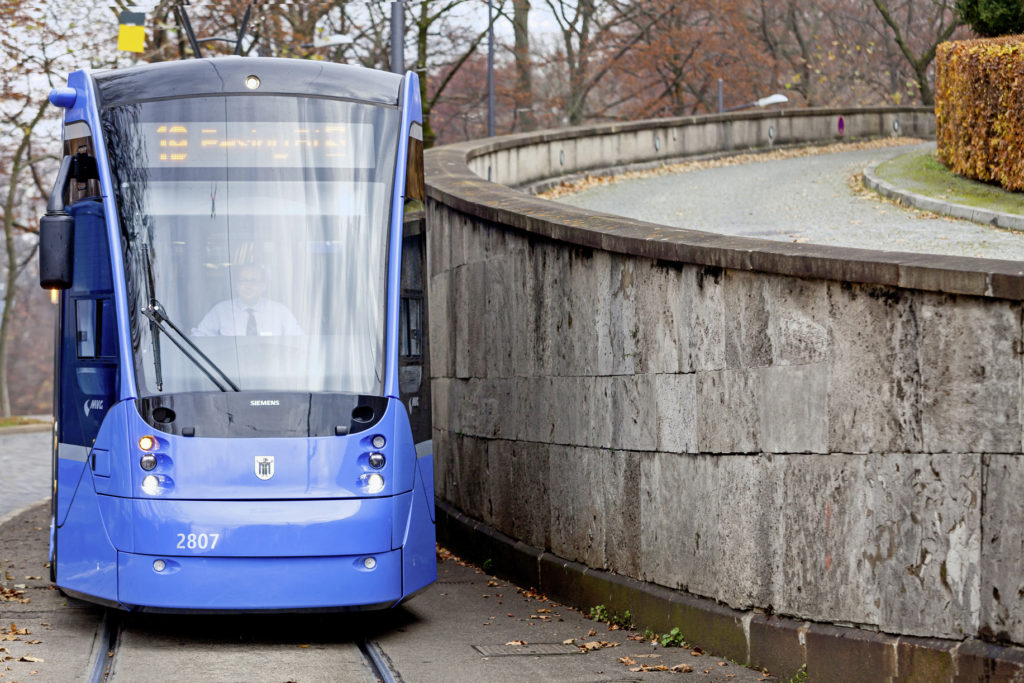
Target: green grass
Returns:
[15, 421]
[921, 172]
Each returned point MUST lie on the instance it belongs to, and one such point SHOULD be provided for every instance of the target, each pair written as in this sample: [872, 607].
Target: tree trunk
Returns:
[525, 118]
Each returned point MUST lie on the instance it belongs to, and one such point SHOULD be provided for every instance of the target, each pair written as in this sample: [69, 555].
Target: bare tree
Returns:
[918, 28]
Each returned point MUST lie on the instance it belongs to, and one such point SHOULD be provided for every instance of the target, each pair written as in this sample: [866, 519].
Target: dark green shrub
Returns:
[992, 18]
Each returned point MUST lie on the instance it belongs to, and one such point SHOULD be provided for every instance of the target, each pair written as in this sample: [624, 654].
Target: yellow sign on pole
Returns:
[131, 35]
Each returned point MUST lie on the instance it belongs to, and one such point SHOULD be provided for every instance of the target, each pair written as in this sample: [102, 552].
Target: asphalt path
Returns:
[24, 468]
[803, 199]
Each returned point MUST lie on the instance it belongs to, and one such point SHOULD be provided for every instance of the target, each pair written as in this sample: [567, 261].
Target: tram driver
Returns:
[249, 313]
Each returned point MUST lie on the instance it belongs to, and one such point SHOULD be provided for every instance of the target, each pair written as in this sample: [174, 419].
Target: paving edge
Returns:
[997, 219]
[780, 644]
[7, 517]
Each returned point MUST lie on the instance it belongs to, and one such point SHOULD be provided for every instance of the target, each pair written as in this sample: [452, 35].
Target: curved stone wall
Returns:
[828, 434]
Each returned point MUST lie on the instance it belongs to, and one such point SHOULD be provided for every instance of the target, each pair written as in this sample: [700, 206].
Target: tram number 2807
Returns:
[198, 541]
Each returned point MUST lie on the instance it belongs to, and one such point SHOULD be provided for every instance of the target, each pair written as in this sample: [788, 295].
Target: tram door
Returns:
[87, 339]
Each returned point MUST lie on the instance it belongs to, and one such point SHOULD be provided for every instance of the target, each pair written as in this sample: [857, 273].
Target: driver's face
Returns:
[250, 286]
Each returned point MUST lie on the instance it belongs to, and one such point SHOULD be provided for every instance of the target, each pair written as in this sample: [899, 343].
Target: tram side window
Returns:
[95, 336]
[415, 191]
[410, 333]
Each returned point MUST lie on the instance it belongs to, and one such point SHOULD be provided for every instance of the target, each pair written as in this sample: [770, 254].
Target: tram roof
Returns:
[227, 75]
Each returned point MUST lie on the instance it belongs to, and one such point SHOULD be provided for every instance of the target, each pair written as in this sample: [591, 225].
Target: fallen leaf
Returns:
[628, 661]
[722, 664]
[569, 641]
[597, 645]
[649, 667]
[303, 645]
[492, 583]
[33, 642]
[516, 642]
[696, 652]
[27, 658]
[544, 611]
[591, 633]
[682, 668]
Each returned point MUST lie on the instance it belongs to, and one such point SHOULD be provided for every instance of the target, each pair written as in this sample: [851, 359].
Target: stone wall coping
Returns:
[451, 181]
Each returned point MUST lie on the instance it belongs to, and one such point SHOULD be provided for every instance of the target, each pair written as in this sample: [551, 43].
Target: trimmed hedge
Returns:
[979, 109]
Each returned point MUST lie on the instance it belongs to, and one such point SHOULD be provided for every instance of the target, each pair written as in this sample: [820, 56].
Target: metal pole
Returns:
[720, 110]
[398, 37]
[490, 68]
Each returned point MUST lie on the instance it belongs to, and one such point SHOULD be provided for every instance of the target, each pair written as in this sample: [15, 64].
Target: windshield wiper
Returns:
[157, 315]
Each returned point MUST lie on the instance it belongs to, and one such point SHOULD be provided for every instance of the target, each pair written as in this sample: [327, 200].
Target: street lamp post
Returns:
[398, 37]
[490, 68]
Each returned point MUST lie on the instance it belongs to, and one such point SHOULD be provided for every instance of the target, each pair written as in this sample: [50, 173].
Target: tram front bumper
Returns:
[227, 584]
[263, 555]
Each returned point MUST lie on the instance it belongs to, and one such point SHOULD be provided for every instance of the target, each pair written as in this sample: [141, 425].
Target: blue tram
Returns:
[242, 408]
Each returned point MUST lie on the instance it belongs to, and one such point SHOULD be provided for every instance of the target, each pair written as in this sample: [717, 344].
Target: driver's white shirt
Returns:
[230, 318]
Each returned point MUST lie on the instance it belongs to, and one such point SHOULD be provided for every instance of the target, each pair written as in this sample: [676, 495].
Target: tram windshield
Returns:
[254, 234]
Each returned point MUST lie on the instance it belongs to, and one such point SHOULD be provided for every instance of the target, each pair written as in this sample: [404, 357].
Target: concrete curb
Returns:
[780, 644]
[996, 219]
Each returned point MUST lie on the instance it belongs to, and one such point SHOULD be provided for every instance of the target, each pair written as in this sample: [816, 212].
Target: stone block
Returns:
[925, 660]
[799, 320]
[1002, 549]
[663, 303]
[848, 655]
[978, 661]
[439, 228]
[624, 326]
[728, 411]
[891, 541]
[634, 414]
[519, 499]
[469, 490]
[442, 362]
[970, 401]
[777, 644]
[621, 491]
[747, 342]
[704, 529]
[794, 409]
[707, 318]
[676, 404]
[500, 328]
[578, 515]
[875, 373]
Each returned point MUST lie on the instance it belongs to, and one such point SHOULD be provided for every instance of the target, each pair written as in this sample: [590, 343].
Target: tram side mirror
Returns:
[57, 235]
[56, 251]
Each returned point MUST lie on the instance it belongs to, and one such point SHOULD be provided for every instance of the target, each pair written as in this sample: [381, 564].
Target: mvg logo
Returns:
[264, 466]
[93, 404]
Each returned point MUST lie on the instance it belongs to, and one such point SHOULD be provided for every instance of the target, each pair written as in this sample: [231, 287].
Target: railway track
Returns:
[131, 648]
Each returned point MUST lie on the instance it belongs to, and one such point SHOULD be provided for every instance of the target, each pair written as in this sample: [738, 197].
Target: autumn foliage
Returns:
[979, 109]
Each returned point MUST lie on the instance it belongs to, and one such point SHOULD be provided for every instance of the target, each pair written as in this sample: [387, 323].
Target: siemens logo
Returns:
[265, 403]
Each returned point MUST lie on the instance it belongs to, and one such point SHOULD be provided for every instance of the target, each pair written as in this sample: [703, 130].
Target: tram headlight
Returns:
[376, 460]
[373, 482]
[147, 443]
[379, 441]
[150, 484]
[159, 565]
[147, 462]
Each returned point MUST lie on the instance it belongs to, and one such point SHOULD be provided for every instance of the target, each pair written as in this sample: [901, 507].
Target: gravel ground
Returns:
[804, 199]
[24, 469]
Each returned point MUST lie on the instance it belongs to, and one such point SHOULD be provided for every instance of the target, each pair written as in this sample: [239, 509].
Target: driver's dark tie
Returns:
[250, 327]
